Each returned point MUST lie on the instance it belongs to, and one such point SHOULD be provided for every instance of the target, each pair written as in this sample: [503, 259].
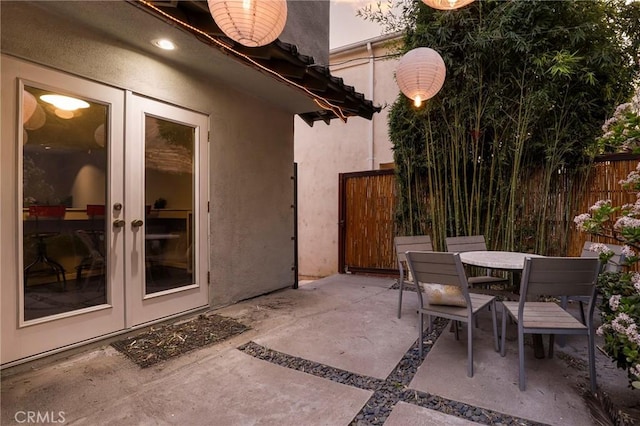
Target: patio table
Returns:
[505, 260]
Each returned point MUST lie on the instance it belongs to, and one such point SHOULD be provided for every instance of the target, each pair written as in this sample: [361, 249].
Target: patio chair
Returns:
[553, 276]
[613, 265]
[474, 243]
[404, 244]
[442, 278]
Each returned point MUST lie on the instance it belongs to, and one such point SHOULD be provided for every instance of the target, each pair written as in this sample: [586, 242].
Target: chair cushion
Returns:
[441, 294]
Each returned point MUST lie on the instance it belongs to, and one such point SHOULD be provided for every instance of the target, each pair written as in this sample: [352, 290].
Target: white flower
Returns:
[632, 177]
[614, 302]
[599, 204]
[600, 248]
[632, 333]
[624, 324]
[626, 222]
[635, 370]
[581, 219]
[628, 251]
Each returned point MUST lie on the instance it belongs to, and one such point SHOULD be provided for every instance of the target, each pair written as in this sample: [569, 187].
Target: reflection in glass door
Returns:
[64, 175]
[169, 195]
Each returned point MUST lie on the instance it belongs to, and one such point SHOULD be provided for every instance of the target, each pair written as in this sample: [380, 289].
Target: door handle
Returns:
[118, 223]
[137, 223]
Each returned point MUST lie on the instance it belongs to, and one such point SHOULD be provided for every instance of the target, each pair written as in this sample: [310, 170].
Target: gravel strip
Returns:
[388, 392]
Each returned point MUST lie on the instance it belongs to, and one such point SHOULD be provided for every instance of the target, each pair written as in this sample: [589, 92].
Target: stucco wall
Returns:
[251, 147]
[322, 152]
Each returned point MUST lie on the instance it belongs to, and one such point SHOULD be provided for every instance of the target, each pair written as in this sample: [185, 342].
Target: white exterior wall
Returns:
[322, 152]
[251, 149]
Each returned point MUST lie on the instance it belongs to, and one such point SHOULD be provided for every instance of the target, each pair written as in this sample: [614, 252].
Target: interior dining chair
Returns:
[474, 243]
[442, 278]
[57, 213]
[94, 260]
[555, 277]
[404, 244]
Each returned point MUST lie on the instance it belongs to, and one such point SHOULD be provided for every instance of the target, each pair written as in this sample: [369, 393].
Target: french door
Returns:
[165, 219]
[110, 221]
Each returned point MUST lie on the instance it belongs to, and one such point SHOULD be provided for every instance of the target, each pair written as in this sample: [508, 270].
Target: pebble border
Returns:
[395, 388]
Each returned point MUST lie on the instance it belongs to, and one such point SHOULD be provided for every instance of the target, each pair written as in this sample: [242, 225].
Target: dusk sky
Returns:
[346, 27]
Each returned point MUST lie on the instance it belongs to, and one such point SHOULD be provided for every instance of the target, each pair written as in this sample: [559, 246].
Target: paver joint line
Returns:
[395, 388]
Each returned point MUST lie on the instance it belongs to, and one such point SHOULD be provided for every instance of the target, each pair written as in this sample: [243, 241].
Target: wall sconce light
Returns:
[251, 23]
[420, 74]
[447, 4]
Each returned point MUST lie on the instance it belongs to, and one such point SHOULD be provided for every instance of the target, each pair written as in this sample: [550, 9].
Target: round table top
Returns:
[496, 259]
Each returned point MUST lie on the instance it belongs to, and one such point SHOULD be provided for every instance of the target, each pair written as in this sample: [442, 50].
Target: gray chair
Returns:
[440, 268]
[474, 243]
[404, 244]
[553, 276]
[613, 265]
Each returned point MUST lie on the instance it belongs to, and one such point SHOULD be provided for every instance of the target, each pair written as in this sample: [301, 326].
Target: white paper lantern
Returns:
[447, 4]
[251, 23]
[37, 120]
[100, 136]
[29, 104]
[420, 74]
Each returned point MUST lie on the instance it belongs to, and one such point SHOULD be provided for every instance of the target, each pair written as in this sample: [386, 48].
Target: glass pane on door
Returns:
[64, 175]
[169, 200]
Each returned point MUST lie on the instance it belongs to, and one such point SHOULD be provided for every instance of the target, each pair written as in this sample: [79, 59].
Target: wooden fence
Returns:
[603, 184]
[367, 205]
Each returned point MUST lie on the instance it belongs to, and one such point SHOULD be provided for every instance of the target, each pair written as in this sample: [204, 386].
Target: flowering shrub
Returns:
[621, 133]
[620, 307]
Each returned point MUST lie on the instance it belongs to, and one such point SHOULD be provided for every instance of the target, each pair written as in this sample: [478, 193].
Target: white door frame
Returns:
[127, 307]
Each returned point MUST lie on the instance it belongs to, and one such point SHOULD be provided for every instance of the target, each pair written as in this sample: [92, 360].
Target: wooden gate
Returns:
[367, 204]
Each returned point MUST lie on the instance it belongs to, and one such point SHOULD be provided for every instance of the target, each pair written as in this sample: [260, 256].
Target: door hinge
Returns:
[208, 277]
[208, 206]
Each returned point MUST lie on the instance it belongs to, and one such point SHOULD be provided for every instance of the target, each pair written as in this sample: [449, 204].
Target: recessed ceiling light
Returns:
[164, 44]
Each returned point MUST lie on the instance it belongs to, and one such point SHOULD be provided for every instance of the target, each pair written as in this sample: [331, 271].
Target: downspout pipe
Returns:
[371, 86]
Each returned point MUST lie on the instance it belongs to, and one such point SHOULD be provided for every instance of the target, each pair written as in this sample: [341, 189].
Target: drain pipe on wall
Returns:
[371, 85]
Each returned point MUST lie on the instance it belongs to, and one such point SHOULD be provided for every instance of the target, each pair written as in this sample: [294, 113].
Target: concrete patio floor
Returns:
[344, 321]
